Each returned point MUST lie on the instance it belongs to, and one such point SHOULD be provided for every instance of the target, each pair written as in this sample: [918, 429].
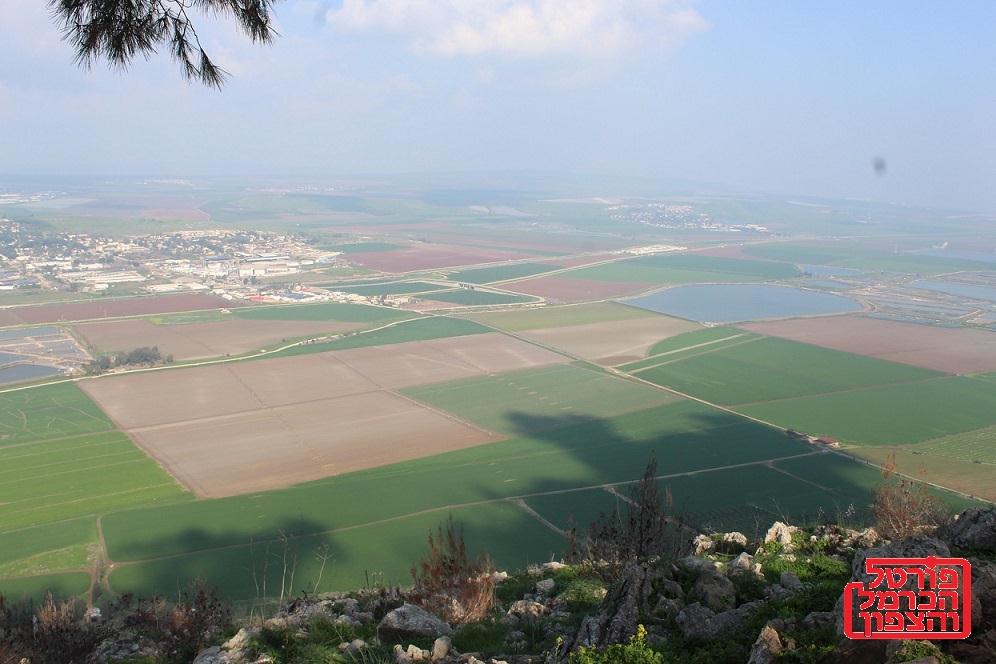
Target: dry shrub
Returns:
[646, 533]
[57, 632]
[451, 585]
[182, 628]
[904, 507]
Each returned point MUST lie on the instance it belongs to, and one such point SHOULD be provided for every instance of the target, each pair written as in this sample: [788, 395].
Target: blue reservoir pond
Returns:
[974, 291]
[731, 303]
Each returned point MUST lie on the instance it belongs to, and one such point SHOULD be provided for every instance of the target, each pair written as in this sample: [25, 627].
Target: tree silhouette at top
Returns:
[120, 30]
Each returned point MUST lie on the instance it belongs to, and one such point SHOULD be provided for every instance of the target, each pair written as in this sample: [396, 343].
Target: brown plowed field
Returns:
[613, 342]
[139, 306]
[278, 447]
[423, 362]
[564, 289]
[232, 428]
[952, 350]
[429, 256]
[200, 340]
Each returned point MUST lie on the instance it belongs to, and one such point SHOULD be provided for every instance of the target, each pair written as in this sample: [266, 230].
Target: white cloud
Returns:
[524, 28]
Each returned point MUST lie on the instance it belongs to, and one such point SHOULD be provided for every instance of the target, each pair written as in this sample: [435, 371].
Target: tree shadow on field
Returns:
[280, 562]
[714, 466]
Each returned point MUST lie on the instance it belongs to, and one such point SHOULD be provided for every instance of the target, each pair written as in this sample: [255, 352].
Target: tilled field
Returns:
[192, 341]
[950, 350]
[614, 342]
[138, 306]
[224, 429]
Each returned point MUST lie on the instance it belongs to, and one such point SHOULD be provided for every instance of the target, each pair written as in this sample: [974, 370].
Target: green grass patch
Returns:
[67, 585]
[50, 411]
[685, 269]
[531, 400]
[474, 298]
[888, 415]
[344, 312]
[486, 275]
[417, 329]
[561, 316]
[755, 369]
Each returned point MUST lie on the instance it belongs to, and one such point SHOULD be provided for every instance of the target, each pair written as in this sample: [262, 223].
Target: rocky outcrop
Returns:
[767, 648]
[973, 530]
[619, 614]
[409, 622]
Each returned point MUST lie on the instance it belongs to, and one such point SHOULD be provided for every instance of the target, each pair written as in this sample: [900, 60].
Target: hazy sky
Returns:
[784, 96]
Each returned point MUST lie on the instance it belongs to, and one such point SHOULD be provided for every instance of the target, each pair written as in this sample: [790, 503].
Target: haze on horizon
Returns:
[776, 96]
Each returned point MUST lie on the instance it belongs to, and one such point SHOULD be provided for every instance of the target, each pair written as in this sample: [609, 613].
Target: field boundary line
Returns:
[708, 351]
[693, 346]
[847, 390]
[521, 504]
[781, 470]
[475, 503]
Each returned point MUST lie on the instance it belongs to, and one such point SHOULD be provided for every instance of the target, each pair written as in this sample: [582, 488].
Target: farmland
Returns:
[475, 297]
[527, 401]
[560, 316]
[612, 342]
[486, 275]
[941, 349]
[413, 329]
[345, 313]
[109, 308]
[891, 414]
[755, 369]
[390, 288]
[274, 413]
[684, 269]
[232, 335]
[582, 451]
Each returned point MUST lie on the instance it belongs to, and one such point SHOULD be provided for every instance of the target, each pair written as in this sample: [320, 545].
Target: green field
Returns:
[391, 288]
[51, 480]
[892, 414]
[72, 584]
[689, 344]
[379, 553]
[685, 269]
[523, 402]
[52, 411]
[755, 369]
[486, 275]
[63, 545]
[560, 316]
[854, 255]
[978, 445]
[415, 329]
[344, 312]
[473, 298]
[61, 460]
